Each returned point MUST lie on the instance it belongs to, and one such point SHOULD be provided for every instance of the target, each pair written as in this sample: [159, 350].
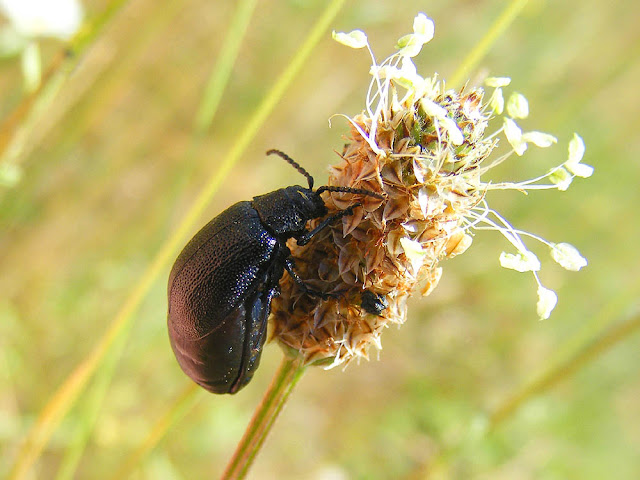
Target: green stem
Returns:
[16, 128]
[65, 396]
[591, 351]
[190, 395]
[222, 71]
[89, 411]
[471, 61]
[288, 374]
[595, 337]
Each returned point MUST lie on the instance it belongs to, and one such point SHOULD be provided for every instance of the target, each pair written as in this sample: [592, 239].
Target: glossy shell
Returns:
[220, 290]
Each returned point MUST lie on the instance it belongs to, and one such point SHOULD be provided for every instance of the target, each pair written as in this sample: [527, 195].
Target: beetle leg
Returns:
[259, 314]
[289, 267]
[307, 236]
[257, 309]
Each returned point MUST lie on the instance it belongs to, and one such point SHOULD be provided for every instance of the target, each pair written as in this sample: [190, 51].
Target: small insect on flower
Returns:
[427, 149]
[373, 303]
[222, 284]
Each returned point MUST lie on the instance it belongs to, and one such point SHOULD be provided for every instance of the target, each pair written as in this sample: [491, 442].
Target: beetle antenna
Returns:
[361, 191]
[294, 164]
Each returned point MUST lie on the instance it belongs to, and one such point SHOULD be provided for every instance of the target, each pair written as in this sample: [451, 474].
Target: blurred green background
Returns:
[111, 168]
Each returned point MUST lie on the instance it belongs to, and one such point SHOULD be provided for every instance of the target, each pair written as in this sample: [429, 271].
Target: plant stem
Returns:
[222, 71]
[478, 52]
[16, 128]
[608, 338]
[187, 399]
[288, 374]
[61, 401]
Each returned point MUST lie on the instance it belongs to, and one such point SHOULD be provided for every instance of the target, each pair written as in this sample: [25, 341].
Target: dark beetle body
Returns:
[221, 285]
[373, 303]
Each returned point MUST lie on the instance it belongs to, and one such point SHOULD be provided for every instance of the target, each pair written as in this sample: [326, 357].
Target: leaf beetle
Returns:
[222, 283]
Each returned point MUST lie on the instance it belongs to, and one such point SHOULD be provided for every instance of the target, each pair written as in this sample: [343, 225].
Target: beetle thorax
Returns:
[286, 211]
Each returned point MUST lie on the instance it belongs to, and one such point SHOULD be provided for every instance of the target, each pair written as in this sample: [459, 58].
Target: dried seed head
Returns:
[425, 151]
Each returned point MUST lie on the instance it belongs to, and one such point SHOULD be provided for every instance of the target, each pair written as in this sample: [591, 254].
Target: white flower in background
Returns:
[33, 19]
[43, 18]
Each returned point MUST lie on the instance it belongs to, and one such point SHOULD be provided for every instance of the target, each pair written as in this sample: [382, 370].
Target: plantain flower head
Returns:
[427, 151]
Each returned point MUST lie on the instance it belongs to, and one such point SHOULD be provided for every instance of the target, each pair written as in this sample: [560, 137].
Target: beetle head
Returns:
[310, 203]
[286, 211]
[304, 205]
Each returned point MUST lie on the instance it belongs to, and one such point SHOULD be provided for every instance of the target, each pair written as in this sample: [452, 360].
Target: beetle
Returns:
[222, 283]
[373, 303]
